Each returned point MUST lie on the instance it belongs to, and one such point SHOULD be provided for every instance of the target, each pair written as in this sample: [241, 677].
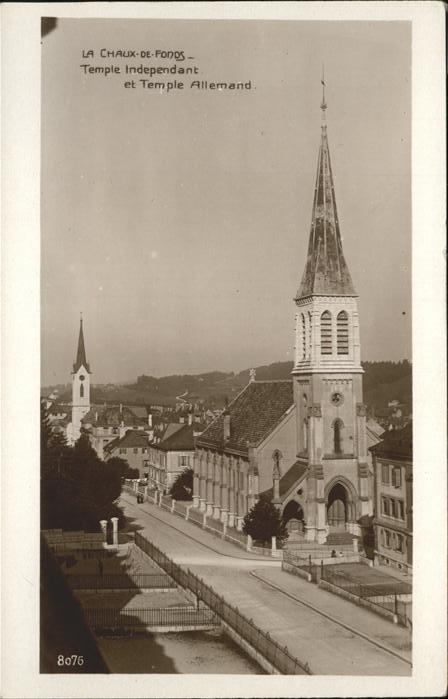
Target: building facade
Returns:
[304, 444]
[133, 447]
[392, 465]
[170, 456]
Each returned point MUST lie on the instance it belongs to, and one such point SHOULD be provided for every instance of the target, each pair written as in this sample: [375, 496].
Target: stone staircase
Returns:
[339, 539]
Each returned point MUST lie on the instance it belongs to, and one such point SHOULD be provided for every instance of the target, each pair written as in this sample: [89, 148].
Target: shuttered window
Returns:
[325, 333]
[342, 332]
[303, 337]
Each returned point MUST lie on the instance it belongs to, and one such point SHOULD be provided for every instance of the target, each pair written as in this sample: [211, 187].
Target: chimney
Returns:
[226, 425]
[150, 419]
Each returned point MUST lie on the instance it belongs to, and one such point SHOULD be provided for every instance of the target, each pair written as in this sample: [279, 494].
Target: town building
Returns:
[133, 448]
[301, 443]
[104, 423]
[392, 467]
[171, 455]
[80, 390]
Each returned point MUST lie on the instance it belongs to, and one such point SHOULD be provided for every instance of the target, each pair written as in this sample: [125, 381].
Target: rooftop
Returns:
[132, 438]
[180, 440]
[292, 475]
[396, 444]
[253, 415]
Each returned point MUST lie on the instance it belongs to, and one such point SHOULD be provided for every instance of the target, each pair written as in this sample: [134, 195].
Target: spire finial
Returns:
[323, 104]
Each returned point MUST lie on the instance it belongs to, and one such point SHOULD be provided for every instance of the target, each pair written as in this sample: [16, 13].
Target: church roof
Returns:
[253, 415]
[293, 475]
[81, 353]
[326, 271]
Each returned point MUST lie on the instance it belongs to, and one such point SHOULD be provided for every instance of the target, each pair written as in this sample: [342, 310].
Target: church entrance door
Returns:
[293, 517]
[337, 508]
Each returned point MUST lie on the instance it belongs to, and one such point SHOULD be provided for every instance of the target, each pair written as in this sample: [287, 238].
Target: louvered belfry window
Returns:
[325, 333]
[303, 337]
[342, 332]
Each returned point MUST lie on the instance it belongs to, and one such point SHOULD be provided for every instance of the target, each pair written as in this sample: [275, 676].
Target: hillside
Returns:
[383, 382]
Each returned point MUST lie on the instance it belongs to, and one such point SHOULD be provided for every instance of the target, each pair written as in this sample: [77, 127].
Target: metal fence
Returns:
[106, 618]
[120, 582]
[269, 648]
[385, 596]
[303, 563]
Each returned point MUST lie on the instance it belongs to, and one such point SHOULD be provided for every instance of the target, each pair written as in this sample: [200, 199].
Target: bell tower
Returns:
[327, 373]
[80, 387]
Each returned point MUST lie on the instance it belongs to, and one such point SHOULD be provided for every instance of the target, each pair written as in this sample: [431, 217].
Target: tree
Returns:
[264, 521]
[182, 488]
[77, 488]
[121, 466]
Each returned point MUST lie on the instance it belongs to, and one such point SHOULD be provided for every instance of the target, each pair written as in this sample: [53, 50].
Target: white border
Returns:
[21, 370]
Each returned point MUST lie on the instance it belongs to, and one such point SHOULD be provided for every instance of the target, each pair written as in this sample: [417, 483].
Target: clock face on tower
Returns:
[82, 377]
[337, 398]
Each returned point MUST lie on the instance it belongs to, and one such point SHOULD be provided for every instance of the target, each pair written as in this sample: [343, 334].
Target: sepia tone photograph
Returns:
[226, 347]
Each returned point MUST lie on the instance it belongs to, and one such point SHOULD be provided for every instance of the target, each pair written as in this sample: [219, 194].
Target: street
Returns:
[329, 645]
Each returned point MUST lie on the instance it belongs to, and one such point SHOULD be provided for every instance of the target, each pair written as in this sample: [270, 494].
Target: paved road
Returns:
[328, 646]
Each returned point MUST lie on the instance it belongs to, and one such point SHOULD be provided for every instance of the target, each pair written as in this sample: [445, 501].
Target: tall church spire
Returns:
[326, 271]
[81, 353]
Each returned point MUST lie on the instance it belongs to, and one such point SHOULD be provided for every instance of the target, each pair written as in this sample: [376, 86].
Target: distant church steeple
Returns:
[81, 353]
[80, 388]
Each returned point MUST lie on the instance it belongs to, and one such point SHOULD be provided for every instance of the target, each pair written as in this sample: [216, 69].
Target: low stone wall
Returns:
[300, 572]
[360, 601]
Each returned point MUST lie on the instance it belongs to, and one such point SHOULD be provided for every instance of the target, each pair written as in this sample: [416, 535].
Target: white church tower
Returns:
[331, 416]
[80, 389]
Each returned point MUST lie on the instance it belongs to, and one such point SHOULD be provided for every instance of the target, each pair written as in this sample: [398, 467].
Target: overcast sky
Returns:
[178, 223]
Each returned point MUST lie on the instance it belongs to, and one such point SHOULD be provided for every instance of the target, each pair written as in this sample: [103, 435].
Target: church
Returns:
[80, 390]
[303, 444]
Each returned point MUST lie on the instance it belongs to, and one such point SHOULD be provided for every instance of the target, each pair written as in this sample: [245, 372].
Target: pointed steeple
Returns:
[326, 272]
[81, 353]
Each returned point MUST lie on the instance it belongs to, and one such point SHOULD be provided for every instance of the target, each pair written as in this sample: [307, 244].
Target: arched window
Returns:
[326, 345]
[303, 337]
[305, 434]
[337, 436]
[81, 391]
[342, 332]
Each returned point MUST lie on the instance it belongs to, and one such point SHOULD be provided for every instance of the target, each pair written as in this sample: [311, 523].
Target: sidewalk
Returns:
[193, 531]
[361, 620]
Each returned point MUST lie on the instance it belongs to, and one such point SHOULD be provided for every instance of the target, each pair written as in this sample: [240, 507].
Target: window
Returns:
[135, 450]
[144, 450]
[81, 391]
[342, 332]
[326, 345]
[397, 477]
[399, 543]
[393, 508]
[303, 337]
[385, 506]
[385, 474]
[122, 450]
[387, 541]
[337, 436]
[309, 334]
[401, 509]
[305, 435]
